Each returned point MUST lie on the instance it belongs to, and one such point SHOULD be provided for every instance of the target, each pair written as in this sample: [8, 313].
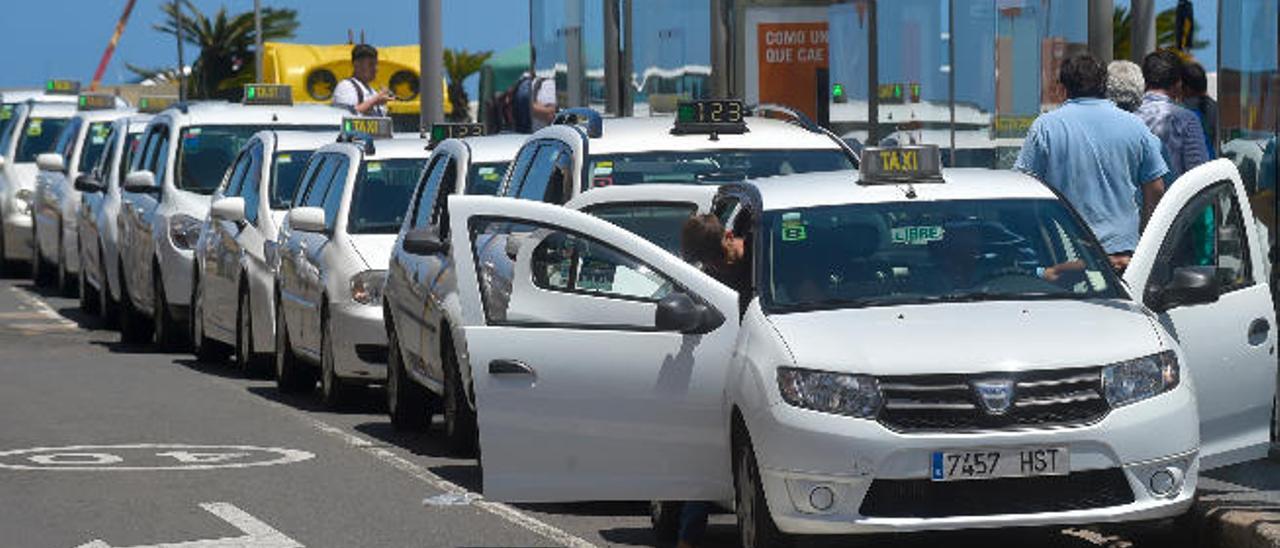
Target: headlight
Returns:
[184, 230]
[366, 287]
[838, 393]
[24, 196]
[1138, 379]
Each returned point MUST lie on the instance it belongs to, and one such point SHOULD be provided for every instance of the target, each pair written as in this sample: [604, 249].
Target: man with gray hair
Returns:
[1125, 85]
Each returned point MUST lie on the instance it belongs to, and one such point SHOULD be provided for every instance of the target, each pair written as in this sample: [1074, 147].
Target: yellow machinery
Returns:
[315, 70]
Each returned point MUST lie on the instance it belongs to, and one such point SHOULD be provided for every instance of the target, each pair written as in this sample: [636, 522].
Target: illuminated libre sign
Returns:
[898, 93]
[152, 105]
[62, 87]
[96, 101]
[268, 94]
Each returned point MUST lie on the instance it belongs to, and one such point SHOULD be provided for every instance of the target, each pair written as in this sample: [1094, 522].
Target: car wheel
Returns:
[292, 376]
[88, 298]
[459, 418]
[664, 516]
[334, 390]
[247, 361]
[407, 401]
[1275, 424]
[205, 349]
[39, 268]
[65, 287]
[134, 328]
[756, 528]
[4, 254]
[166, 337]
[106, 305]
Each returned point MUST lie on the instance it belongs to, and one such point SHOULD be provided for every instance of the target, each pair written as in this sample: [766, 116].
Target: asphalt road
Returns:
[133, 451]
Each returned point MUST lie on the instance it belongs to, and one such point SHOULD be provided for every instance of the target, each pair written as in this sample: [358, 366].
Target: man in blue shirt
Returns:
[1177, 127]
[1098, 157]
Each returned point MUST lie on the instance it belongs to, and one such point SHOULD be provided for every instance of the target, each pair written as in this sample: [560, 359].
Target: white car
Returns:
[904, 362]
[57, 202]
[233, 302]
[185, 153]
[332, 252]
[33, 130]
[100, 194]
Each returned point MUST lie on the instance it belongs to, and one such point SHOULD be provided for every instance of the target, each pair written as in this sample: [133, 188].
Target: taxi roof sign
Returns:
[905, 164]
[156, 103]
[62, 87]
[366, 127]
[440, 132]
[710, 116]
[268, 94]
[96, 101]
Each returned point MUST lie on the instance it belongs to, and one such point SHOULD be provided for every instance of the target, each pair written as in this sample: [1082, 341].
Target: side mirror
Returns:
[1190, 285]
[424, 241]
[142, 182]
[86, 183]
[678, 312]
[307, 219]
[228, 209]
[51, 161]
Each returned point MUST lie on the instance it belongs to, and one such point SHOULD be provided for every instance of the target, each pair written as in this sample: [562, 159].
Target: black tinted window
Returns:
[285, 175]
[485, 179]
[382, 193]
[95, 142]
[38, 137]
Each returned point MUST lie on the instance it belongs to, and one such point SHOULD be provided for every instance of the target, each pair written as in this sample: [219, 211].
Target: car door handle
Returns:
[1258, 331]
[510, 367]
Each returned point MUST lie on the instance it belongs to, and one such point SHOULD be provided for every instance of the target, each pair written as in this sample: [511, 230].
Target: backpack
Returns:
[513, 108]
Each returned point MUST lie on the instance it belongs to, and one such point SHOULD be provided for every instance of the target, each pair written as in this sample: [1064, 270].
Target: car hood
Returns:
[968, 337]
[375, 249]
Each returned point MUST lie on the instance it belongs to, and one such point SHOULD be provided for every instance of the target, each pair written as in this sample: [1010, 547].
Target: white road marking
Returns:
[256, 533]
[98, 458]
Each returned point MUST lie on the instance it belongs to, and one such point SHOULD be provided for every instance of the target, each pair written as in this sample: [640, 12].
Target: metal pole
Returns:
[612, 60]
[182, 78]
[719, 51]
[576, 80]
[627, 68]
[1101, 30]
[1142, 37]
[431, 57]
[951, 74]
[257, 40]
[873, 76]
[111, 46]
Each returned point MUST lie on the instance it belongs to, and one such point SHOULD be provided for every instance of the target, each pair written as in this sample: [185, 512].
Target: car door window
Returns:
[160, 160]
[132, 143]
[1209, 231]
[235, 179]
[520, 168]
[252, 185]
[99, 169]
[320, 176]
[67, 139]
[427, 191]
[333, 194]
[545, 181]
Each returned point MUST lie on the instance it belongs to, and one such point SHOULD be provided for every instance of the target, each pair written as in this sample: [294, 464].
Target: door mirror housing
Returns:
[307, 219]
[228, 209]
[86, 183]
[678, 312]
[142, 182]
[51, 161]
[424, 241]
[1190, 285]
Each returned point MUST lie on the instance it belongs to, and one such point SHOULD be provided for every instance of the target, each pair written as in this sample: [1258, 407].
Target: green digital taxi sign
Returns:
[367, 127]
[710, 116]
[62, 87]
[440, 132]
[95, 101]
[154, 104]
[915, 164]
[268, 94]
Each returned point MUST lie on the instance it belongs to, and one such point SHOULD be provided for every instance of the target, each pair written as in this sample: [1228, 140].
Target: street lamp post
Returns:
[431, 59]
[257, 39]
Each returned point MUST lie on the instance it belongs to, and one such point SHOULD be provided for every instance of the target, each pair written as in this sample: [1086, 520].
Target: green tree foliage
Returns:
[1165, 36]
[458, 65]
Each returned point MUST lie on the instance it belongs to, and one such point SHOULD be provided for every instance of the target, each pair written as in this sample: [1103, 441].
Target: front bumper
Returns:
[800, 451]
[176, 268]
[359, 341]
[18, 241]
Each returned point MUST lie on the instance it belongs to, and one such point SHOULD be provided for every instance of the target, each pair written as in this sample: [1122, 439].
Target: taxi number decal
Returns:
[35, 129]
[374, 167]
[6, 112]
[284, 158]
[902, 161]
[917, 235]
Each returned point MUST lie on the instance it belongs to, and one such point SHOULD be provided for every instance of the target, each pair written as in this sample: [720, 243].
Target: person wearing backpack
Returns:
[355, 93]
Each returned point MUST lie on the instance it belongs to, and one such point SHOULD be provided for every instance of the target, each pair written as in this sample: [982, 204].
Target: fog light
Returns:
[822, 498]
[1165, 482]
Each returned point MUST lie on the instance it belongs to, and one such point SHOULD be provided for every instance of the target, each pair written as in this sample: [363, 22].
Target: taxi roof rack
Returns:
[801, 119]
[578, 115]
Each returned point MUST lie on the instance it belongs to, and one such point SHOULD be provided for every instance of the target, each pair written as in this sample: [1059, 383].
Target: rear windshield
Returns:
[38, 137]
[710, 166]
[659, 223]
[383, 190]
[95, 141]
[286, 171]
[485, 179]
[205, 152]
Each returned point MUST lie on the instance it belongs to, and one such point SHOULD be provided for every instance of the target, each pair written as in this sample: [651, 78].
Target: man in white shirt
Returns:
[355, 93]
[543, 109]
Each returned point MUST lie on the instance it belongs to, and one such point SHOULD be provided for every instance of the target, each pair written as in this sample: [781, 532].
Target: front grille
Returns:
[949, 402]
[930, 499]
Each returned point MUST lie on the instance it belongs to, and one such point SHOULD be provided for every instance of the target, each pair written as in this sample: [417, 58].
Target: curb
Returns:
[1236, 527]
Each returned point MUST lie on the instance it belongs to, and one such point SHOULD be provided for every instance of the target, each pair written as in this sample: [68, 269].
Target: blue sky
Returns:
[72, 50]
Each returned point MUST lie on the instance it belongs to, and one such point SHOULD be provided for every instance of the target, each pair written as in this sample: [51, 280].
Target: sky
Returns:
[71, 48]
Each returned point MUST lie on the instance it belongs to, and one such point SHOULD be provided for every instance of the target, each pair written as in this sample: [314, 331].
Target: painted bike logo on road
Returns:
[149, 456]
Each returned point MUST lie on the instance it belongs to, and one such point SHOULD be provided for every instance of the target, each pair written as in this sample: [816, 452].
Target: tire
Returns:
[292, 376]
[1275, 425]
[204, 348]
[90, 303]
[756, 528]
[39, 268]
[407, 401]
[335, 391]
[4, 254]
[106, 305]
[166, 337]
[65, 286]
[249, 363]
[134, 328]
[664, 517]
[459, 419]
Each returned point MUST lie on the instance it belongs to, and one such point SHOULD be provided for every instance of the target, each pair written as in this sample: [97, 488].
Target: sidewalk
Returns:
[1239, 506]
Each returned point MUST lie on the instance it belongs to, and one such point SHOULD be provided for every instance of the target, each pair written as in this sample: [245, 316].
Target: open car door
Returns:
[1204, 228]
[598, 359]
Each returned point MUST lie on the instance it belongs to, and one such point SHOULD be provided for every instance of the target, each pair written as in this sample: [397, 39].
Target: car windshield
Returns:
[383, 187]
[485, 179]
[205, 152]
[286, 171]
[38, 136]
[95, 141]
[710, 166]
[659, 223]
[880, 254]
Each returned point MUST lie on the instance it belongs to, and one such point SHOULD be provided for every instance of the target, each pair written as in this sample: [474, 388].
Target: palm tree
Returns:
[460, 64]
[225, 42]
[1166, 21]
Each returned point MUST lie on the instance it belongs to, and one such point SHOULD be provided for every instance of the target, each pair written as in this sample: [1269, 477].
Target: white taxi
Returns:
[232, 302]
[331, 254]
[33, 130]
[185, 153]
[57, 201]
[940, 350]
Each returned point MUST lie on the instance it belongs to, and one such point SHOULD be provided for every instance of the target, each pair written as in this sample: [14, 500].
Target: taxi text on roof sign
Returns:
[152, 105]
[918, 163]
[96, 101]
[62, 87]
[440, 132]
[268, 94]
[368, 127]
[710, 116]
